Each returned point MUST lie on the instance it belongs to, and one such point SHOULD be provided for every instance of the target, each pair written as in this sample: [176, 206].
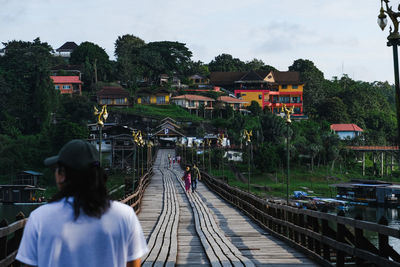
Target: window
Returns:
[66, 87]
[120, 101]
[259, 96]
[106, 101]
[284, 86]
[295, 86]
[160, 99]
[295, 99]
[57, 87]
[243, 94]
[145, 99]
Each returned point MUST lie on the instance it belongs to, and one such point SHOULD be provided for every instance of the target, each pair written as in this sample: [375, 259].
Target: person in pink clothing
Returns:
[186, 177]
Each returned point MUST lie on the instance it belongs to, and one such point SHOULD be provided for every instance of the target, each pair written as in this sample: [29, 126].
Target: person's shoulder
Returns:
[118, 207]
[45, 209]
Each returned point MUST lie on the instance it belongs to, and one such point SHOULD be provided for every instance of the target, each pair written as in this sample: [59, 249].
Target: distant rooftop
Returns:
[346, 127]
[67, 47]
[65, 79]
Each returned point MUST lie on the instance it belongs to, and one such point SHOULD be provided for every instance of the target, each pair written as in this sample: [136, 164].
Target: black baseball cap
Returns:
[76, 154]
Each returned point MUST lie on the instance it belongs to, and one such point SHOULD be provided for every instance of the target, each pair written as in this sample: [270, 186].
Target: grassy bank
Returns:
[159, 112]
[318, 181]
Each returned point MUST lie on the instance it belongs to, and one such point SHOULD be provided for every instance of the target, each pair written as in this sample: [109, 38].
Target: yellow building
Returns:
[157, 96]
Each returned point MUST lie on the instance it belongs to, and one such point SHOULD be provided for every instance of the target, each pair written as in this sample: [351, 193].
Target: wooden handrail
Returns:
[309, 230]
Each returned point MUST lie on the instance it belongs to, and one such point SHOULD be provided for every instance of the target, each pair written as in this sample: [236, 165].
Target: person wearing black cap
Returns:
[81, 226]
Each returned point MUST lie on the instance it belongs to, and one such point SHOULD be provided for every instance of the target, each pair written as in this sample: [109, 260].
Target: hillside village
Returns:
[156, 88]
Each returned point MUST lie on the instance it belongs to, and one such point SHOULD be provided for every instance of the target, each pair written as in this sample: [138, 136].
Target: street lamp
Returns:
[247, 136]
[101, 119]
[209, 155]
[394, 41]
[288, 112]
[221, 145]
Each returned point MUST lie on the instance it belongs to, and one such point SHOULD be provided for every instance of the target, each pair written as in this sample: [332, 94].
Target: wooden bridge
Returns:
[201, 229]
[220, 225]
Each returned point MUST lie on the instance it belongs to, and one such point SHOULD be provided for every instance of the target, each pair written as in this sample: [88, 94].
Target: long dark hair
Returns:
[88, 189]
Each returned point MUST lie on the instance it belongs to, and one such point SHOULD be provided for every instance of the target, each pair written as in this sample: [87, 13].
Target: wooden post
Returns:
[310, 240]
[301, 224]
[383, 240]
[317, 245]
[296, 222]
[340, 238]
[3, 241]
[358, 233]
[325, 248]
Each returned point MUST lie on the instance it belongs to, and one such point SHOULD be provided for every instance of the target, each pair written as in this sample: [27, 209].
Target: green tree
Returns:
[333, 110]
[226, 62]
[258, 64]
[27, 91]
[255, 108]
[314, 92]
[95, 60]
[127, 49]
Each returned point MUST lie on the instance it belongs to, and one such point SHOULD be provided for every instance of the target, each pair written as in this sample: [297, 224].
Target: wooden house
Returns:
[159, 96]
[113, 96]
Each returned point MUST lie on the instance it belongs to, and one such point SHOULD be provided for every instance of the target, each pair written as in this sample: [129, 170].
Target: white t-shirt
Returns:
[53, 238]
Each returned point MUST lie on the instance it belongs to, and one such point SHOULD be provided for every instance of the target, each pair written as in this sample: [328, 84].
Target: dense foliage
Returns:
[35, 120]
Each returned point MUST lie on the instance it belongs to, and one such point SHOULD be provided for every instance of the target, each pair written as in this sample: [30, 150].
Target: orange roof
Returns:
[229, 99]
[65, 79]
[350, 127]
[193, 98]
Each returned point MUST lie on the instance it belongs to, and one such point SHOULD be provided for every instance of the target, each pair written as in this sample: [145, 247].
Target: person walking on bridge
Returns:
[81, 226]
[195, 176]
[187, 179]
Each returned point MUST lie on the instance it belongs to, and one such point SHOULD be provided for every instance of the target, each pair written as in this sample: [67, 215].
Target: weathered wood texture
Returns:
[310, 230]
[210, 232]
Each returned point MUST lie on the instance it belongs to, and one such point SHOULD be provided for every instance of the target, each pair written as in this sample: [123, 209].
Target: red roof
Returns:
[194, 98]
[228, 99]
[65, 79]
[350, 127]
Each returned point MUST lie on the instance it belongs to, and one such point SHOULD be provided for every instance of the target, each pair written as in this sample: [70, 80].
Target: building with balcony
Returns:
[269, 89]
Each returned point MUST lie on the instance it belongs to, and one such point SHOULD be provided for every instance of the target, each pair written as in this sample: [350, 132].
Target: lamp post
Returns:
[101, 119]
[136, 141]
[247, 135]
[394, 41]
[220, 144]
[288, 112]
[209, 155]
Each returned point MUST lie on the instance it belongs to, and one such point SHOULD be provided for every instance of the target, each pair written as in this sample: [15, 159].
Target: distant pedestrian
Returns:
[187, 178]
[178, 158]
[81, 226]
[195, 176]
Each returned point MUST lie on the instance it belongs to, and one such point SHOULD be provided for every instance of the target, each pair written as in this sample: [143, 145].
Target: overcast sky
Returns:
[339, 36]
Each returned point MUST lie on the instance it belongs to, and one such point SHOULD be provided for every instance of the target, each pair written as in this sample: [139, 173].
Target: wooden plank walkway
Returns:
[198, 229]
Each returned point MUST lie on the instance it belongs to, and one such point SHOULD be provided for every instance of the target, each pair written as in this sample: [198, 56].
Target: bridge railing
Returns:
[135, 199]
[10, 237]
[329, 239]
